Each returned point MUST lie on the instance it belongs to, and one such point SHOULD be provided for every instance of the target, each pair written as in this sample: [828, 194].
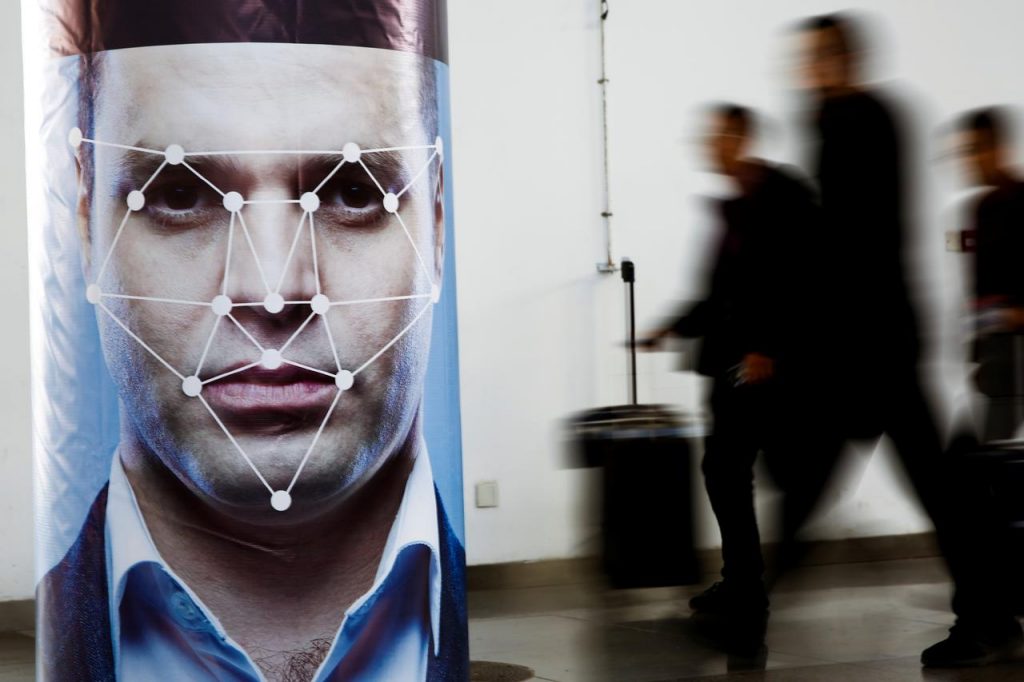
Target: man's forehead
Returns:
[970, 140]
[725, 125]
[221, 96]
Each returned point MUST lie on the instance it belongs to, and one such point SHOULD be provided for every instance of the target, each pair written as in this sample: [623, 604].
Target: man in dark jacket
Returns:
[749, 347]
[997, 224]
[872, 387]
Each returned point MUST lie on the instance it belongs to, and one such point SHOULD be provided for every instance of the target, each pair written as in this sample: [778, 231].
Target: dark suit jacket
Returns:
[862, 153]
[74, 620]
[999, 229]
[760, 278]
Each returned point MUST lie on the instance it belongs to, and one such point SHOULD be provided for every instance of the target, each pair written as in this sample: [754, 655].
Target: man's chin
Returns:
[248, 485]
[255, 504]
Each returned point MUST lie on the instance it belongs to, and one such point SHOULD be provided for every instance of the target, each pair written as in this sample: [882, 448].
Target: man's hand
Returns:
[1014, 318]
[999, 319]
[652, 340]
[756, 368]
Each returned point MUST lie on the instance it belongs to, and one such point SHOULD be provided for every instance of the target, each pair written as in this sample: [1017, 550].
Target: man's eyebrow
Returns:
[136, 163]
[386, 166]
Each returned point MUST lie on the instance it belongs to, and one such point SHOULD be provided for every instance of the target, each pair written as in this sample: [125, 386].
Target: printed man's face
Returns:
[319, 236]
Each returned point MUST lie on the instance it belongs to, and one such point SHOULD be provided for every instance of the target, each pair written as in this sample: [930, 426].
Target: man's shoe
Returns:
[740, 633]
[722, 598]
[970, 646]
[711, 600]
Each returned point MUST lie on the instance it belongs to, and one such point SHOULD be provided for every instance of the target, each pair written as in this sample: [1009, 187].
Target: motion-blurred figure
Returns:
[997, 221]
[870, 334]
[744, 326]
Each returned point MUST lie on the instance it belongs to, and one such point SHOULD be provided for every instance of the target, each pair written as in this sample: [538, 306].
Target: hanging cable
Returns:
[608, 265]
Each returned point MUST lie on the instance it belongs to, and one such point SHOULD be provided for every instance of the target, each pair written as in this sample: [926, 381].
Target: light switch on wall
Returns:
[953, 242]
[487, 494]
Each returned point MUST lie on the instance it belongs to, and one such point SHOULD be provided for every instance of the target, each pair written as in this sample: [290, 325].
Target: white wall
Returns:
[15, 423]
[534, 319]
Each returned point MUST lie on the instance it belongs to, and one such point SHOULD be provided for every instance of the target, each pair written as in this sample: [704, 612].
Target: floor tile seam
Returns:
[877, 667]
[593, 621]
[750, 674]
[634, 628]
[820, 659]
[876, 616]
[676, 615]
[523, 616]
[946, 622]
[873, 663]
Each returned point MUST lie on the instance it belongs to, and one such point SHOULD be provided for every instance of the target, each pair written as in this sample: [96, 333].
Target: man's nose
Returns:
[272, 268]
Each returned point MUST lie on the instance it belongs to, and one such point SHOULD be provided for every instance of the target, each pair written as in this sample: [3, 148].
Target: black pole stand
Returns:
[629, 277]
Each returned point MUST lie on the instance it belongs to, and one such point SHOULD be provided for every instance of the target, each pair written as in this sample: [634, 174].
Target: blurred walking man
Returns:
[745, 329]
[872, 383]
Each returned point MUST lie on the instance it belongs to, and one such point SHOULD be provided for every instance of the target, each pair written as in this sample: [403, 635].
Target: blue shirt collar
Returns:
[130, 545]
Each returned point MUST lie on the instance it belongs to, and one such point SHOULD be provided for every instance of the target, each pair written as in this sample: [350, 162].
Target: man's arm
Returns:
[690, 324]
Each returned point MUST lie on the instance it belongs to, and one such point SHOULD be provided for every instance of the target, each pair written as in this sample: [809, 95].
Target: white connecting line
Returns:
[222, 306]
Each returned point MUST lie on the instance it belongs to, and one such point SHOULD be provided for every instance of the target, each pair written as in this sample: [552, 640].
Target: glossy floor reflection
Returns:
[862, 622]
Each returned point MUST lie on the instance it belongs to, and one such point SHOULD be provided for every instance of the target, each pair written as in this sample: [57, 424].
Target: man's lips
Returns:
[288, 390]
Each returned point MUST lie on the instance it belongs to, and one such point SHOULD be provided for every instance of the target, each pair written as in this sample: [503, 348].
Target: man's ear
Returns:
[439, 226]
[83, 208]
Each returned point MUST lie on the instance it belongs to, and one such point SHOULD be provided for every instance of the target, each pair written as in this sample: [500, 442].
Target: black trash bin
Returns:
[647, 494]
[647, 500]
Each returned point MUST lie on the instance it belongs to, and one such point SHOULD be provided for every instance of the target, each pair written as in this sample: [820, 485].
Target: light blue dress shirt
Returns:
[162, 631]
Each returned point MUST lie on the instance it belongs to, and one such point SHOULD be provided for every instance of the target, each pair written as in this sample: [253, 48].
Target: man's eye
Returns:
[179, 197]
[351, 194]
[176, 198]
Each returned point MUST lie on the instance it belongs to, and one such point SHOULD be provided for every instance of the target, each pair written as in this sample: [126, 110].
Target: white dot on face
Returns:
[233, 202]
[174, 154]
[136, 200]
[221, 305]
[320, 304]
[192, 386]
[439, 145]
[435, 293]
[344, 380]
[390, 202]
[309, 202]
[93, 293]
[281, 500]
[75, 137]
[351, 152]
[273, 303]
[271, 359]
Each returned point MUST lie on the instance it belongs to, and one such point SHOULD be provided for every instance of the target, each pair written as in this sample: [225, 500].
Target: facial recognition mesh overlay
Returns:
[244, 324]
[221, 306]
[219, 288]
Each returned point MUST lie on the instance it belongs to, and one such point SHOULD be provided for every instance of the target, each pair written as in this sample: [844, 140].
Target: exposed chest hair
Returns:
[298, 665]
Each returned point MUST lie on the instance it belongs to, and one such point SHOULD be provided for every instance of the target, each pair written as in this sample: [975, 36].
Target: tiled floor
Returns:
[17, 657]
[860, 622]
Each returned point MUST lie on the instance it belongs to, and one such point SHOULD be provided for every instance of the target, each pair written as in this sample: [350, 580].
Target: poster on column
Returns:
[245, 368]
